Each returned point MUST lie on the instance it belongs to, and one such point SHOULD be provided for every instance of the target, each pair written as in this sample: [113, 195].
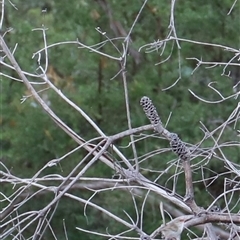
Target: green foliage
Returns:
[29, 138]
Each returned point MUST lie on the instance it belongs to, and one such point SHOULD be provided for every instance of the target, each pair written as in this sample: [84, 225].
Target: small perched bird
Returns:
[173, 229]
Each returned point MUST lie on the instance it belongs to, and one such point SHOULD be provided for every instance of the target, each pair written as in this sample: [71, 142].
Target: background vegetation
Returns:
[30, 139]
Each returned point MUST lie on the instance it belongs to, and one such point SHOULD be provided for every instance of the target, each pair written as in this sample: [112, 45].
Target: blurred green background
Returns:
[29, 139]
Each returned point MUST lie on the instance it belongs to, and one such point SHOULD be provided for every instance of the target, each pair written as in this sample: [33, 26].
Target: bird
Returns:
[173, 229]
